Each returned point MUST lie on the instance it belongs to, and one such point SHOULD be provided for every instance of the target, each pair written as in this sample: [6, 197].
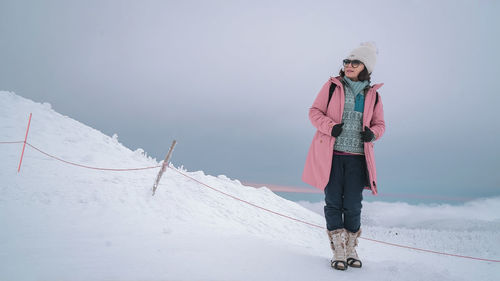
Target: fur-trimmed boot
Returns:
[337, 243]
[351, 243]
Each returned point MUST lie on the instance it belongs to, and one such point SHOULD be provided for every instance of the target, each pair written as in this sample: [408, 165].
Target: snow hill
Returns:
[61, 222]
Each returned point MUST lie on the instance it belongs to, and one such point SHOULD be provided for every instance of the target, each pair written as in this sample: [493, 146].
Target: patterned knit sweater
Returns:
[350, 138]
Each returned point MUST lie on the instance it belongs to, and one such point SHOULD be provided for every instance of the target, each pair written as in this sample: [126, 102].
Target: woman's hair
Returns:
[362, 76]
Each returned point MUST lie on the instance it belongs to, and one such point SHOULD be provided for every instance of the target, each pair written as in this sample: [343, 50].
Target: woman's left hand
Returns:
[367, 135]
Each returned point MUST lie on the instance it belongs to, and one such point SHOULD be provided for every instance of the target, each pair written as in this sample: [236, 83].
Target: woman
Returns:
[340, 160]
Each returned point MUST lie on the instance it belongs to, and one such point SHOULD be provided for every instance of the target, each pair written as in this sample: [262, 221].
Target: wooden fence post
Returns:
[24, 145]
[163, 167]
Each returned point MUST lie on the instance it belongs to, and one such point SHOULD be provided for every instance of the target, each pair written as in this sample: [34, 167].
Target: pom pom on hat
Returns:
[366, 53]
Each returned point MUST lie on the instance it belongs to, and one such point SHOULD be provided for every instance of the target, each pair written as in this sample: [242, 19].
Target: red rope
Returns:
[89, 167]
[318, 226]
[234, 197]
[429, 251]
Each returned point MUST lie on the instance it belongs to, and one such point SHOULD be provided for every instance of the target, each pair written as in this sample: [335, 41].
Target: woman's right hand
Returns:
[337, 129]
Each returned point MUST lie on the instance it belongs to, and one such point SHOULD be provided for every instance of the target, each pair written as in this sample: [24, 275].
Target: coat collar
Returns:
[336, 80]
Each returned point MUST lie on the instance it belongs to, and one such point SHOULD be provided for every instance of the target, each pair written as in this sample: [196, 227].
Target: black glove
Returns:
[337, 129]
[367, 135]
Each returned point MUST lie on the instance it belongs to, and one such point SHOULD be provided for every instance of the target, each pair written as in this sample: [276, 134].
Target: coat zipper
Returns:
[370, 184]
[367, 172]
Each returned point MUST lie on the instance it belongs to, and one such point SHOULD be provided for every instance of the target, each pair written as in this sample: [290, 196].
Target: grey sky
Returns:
[232, 81]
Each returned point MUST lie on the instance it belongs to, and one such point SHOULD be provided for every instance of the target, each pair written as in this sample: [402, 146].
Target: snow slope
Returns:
[61, 222]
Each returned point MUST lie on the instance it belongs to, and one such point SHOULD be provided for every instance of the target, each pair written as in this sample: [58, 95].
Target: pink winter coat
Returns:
[319, 158]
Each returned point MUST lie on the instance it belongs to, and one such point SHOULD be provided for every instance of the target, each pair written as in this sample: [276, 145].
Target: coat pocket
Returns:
[323, 138]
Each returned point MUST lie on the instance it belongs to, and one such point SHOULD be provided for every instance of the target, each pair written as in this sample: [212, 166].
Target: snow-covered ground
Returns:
[61, 222]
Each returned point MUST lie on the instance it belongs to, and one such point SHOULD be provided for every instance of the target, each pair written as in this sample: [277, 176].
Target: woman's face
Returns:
[353, 72]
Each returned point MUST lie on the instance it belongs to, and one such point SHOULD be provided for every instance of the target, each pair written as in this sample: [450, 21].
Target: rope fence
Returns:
[239, 199]
[89, 167]
[322, 227]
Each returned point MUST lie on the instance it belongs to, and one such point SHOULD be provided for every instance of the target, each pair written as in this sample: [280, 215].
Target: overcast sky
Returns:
[232, 81]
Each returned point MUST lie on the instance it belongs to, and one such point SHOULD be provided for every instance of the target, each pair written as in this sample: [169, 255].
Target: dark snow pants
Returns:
[344, 192]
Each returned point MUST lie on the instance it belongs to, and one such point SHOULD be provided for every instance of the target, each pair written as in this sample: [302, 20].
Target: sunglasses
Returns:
[354, 63]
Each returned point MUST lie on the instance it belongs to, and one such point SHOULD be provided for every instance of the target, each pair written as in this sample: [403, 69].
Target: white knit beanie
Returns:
[366, 53]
